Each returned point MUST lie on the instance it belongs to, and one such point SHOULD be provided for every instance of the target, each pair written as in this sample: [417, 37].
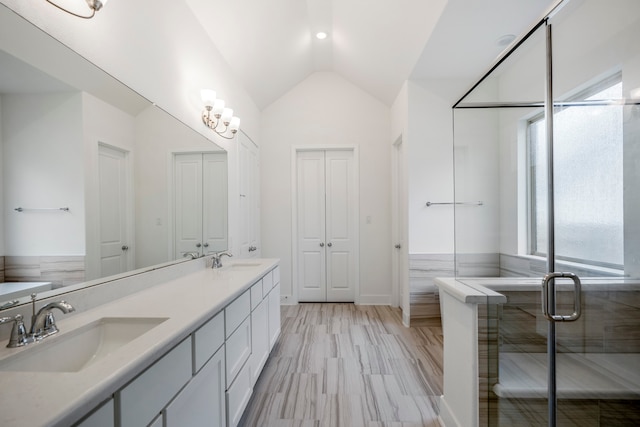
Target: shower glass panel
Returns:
[502, 216]
[596, 66]
[491, 195]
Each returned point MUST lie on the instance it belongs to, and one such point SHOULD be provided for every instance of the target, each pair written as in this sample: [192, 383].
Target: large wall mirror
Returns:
[96, 180]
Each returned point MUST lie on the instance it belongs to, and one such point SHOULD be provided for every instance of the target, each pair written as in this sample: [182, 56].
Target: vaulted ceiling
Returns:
[375, 44]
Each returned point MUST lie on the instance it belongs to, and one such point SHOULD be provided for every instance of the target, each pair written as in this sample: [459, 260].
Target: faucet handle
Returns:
[19, 336]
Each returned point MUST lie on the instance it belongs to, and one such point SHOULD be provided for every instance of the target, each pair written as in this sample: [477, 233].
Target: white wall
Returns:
[43, 168]
[157, 48]
[325, 109]
[430, 164]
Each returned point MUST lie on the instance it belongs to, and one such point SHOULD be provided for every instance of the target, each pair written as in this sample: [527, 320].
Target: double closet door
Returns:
[200, 210]
[326, 222]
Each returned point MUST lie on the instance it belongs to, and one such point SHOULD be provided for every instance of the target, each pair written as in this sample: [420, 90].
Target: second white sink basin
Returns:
[243, 265]
[75, 350]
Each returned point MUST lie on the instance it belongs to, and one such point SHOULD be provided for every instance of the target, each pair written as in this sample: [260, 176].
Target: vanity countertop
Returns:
[62, 398]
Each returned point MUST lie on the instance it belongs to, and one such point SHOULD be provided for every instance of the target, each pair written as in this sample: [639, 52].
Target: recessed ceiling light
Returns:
[321, 35]
[505, 40]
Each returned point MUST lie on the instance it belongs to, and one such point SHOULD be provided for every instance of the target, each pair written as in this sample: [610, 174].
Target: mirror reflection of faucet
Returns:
[216, 259]
[193, 255]
[43, 324]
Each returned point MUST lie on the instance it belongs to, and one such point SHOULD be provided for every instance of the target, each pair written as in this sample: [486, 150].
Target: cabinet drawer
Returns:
[238, 396]
[267, 282]
[207, 340]
[145, 396]
[238, 350]
[256, 294]
[236, 312]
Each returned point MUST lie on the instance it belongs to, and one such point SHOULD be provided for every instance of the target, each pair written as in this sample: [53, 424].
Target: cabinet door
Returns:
[144, 397]
[102, 417]
[274, 316]
[202, 401]
[259, 339]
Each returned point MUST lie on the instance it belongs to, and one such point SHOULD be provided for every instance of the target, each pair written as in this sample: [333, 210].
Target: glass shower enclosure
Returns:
[547, 213]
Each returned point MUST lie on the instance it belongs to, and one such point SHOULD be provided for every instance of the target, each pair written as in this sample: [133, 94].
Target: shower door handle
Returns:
[548, 304]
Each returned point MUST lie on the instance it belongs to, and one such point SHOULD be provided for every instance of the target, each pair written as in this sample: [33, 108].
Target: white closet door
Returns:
[214, 202]
[326, 222]
[188, 204]
[340, 225]
[114, 245]
[311, 226]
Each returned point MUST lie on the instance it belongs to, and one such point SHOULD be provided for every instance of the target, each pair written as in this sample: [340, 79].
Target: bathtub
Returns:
[11, 290]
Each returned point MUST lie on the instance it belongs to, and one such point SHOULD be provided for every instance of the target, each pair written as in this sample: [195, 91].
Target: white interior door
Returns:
[325, 225]
[188, 204]
[214, 202]
[249, 207]
[311, 257]
[340, 225]
[113, 183]
[401, 294]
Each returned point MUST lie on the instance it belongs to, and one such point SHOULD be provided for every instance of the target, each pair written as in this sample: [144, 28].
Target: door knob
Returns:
[322, 245]
[125, 247]
[329, 244]
[398, 246]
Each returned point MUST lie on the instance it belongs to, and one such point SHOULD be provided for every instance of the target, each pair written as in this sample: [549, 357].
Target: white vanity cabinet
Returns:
[208, 378]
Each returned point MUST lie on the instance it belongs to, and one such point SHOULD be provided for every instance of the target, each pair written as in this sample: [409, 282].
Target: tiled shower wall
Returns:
[59, 270]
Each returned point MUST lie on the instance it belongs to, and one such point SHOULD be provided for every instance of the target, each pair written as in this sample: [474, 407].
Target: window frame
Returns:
[532, 248]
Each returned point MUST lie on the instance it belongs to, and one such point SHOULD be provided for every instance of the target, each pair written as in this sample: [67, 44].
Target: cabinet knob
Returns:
[198, 245]
[125, 247]
[329, 244]
[206, 245]
[321, 245]
[398, 246]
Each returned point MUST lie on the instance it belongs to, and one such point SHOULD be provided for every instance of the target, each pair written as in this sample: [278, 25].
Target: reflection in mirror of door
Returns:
[52, 128]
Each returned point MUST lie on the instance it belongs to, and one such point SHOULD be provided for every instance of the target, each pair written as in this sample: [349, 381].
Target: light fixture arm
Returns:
[212, 123]
[94, 5]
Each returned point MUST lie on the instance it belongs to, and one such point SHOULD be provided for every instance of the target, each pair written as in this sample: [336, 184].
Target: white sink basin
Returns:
[243, 265]
[75, 350]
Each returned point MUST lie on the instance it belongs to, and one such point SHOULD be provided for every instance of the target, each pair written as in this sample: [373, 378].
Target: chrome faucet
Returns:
[44, 324]
[216, 259]
[192, 255]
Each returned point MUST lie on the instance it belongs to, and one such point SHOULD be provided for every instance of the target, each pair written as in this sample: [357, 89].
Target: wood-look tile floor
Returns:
[348, 365]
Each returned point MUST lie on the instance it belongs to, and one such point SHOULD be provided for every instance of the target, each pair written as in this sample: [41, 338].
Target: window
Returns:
[588, 179]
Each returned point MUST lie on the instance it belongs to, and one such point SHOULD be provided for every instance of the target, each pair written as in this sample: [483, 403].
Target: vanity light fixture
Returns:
[216, 114]
[94, 5]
